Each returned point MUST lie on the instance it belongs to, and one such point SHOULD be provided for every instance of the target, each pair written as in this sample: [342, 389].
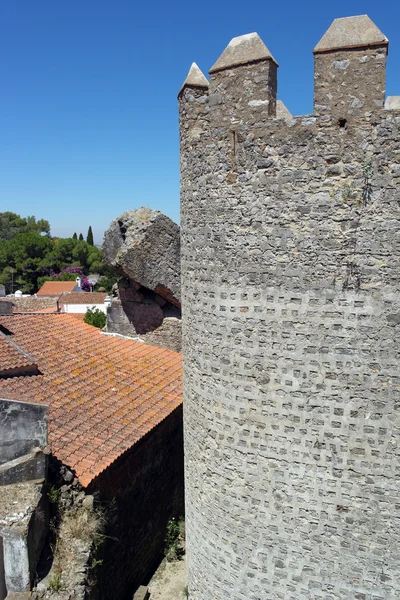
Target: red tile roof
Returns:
[79, 316]
[56, 288]
[104, 393]
[83, 298]
[12, 358]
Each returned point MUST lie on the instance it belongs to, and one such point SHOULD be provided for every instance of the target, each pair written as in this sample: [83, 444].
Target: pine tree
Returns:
[74, 237]
[80, 237]
[89, 237]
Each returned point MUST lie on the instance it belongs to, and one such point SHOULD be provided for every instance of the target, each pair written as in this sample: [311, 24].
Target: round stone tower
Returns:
[290, 296]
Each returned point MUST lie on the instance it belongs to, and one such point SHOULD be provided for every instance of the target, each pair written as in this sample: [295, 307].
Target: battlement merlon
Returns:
[350, 68]
[193, 106]
[243, 83]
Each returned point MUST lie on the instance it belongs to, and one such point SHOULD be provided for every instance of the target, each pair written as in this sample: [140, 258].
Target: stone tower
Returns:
[291, 317]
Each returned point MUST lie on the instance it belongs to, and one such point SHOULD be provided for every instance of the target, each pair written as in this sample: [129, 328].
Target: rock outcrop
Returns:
[144, 247]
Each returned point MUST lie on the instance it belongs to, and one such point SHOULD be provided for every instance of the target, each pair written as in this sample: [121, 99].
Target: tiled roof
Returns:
[83, 298]
[12, 358]
[56, 288]
[32, 304]
[79, 316]
[104, 393]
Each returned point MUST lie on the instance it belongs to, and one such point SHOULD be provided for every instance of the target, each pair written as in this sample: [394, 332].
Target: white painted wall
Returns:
[82, 308]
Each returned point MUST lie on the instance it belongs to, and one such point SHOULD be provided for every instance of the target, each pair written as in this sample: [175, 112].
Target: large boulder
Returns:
[143, 245]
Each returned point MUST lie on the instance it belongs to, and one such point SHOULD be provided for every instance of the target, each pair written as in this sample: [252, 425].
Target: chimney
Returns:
[6, 308]
[78, 282]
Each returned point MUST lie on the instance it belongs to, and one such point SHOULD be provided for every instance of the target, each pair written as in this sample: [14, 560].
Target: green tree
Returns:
[96, 317]
[12, 225]
[25, 254]
[89, 237]
[28, 258]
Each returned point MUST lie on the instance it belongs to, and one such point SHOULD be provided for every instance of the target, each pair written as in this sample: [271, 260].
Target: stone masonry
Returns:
[291, 316]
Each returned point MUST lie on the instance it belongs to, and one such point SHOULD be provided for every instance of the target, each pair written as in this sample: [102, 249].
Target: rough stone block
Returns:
[144, 246]
[142, 593]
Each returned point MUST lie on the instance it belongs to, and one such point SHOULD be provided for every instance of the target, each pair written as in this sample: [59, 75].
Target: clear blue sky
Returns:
[88, 118]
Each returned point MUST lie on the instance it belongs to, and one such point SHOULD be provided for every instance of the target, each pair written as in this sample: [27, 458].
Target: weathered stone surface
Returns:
[23, 527]
[291, 288]
[351, 32]
[144, 246]
[242, 50]
[23, 434]
[236, 105]
[195, 78]
[148, 324]
[350, 68]
[30, 467]
[282, 111]
[392, 103]
[142, 593]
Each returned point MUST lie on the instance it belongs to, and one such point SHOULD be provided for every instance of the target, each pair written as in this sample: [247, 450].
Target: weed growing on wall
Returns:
[53, 494]
[354, 193]
[55, 583]
[175, 539]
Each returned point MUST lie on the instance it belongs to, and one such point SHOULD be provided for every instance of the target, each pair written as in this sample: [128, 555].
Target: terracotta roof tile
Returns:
[56, 288]
[83, 298]
[13, 360]
[103, 393]
[79, 316]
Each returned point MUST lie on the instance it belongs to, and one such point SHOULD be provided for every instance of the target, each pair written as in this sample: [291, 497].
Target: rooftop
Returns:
[32, 304]
[104, 393]
[13, 360]
[83, 298]
[56, 288]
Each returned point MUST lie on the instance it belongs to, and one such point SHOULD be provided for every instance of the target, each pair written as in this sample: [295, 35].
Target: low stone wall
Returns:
[23, 528]
[23, 427]
[167, 335]
[145, 490]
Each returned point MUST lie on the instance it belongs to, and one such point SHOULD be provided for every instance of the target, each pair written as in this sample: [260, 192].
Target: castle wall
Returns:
[291, 308]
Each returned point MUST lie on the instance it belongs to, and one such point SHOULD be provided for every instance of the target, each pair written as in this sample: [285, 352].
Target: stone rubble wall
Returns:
[144, 315]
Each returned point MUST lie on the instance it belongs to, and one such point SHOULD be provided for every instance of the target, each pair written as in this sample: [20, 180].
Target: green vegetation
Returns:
[29, 256]
[174, 539]
[53, 494]
[89, 237]
[95, 317]
[55, 582]
[12, 225]
[357, 193]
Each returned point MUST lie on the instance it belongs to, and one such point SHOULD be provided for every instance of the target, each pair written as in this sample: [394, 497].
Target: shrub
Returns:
[96, 317]
[173, 539]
